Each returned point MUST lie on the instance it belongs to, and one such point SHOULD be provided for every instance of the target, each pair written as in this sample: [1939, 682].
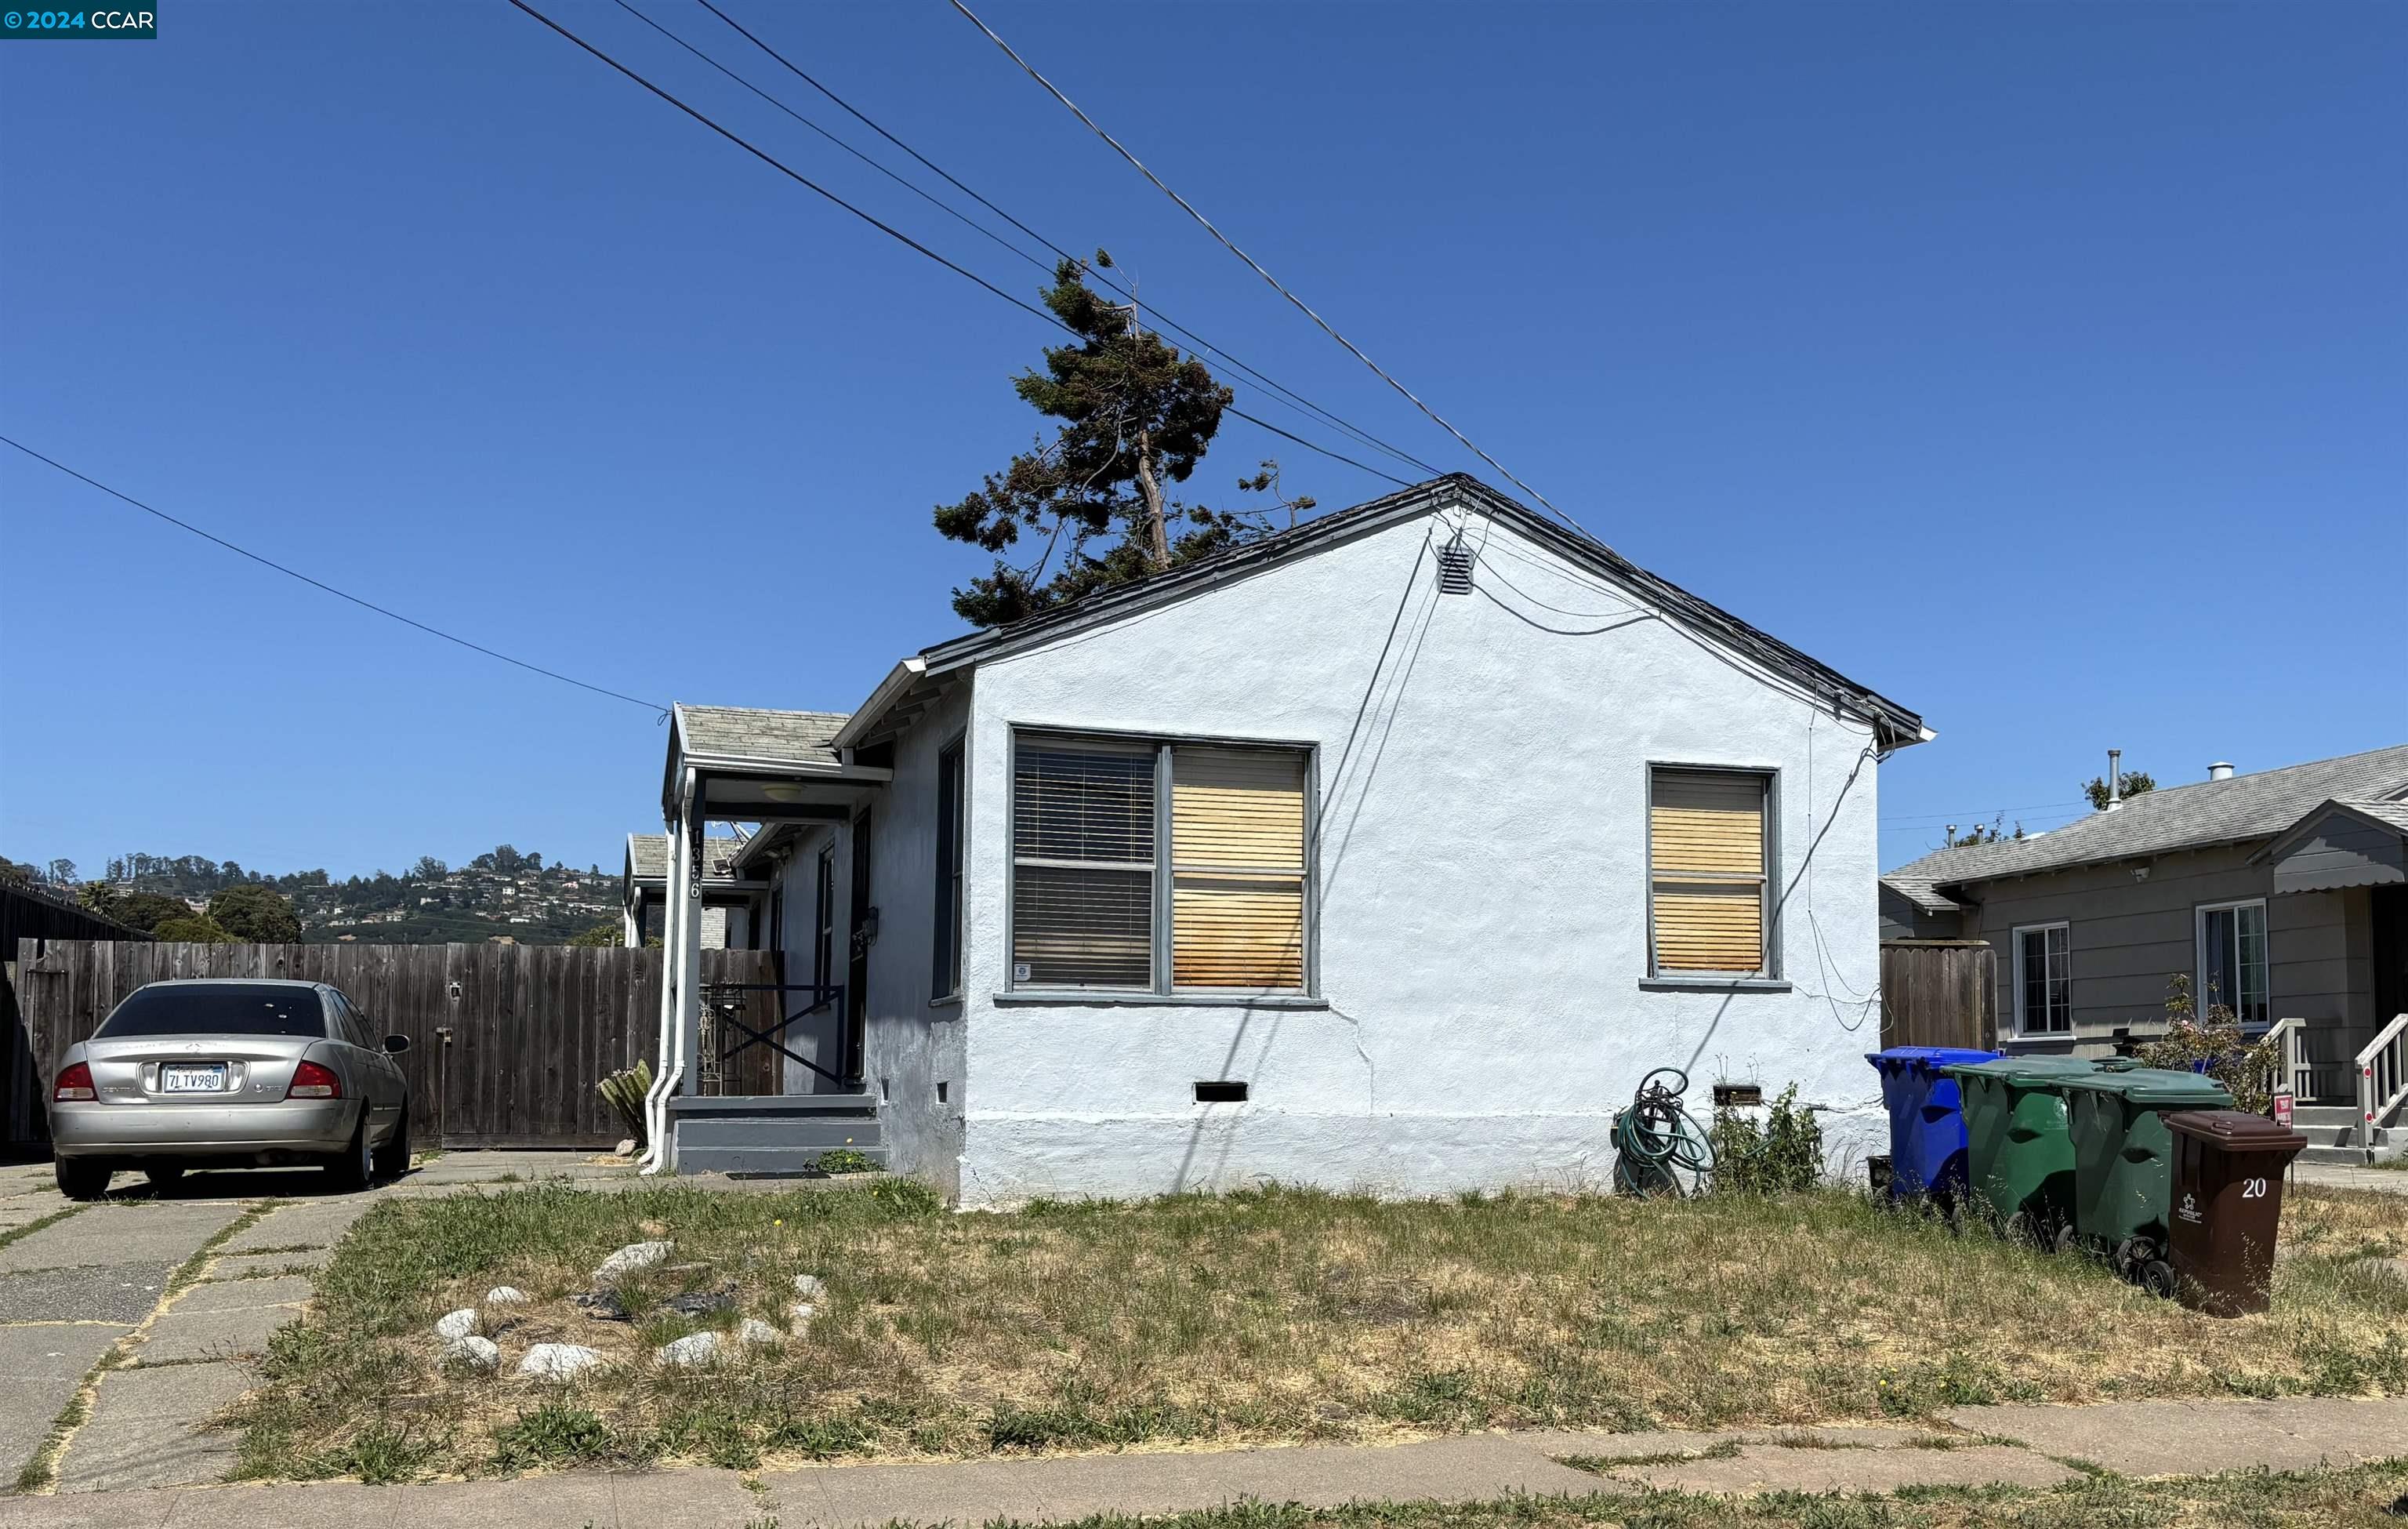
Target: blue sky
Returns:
[2042, 367]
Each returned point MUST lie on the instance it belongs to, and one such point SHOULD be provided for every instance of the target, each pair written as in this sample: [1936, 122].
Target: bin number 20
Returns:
[2253, 1188]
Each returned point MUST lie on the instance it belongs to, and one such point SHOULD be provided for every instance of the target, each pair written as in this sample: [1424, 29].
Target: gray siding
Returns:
[1901, 919]
[2125, 937]
[2342, 850]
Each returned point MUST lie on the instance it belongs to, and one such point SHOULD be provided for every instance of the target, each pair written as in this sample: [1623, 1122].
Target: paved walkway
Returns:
[90, 1283]
[2139, 1438]
[2340, 1176]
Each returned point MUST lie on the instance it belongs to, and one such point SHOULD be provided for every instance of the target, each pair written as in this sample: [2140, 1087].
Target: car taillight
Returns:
[75, 1082]
[311, 1081]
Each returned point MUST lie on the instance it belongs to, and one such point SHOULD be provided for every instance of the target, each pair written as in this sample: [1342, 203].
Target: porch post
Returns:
[686, 889]
[665, 1079]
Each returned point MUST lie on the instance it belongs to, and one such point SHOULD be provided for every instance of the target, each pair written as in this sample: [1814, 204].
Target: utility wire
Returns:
[1198, 341]
[1256, 266]
[896, 234]
[338, 594]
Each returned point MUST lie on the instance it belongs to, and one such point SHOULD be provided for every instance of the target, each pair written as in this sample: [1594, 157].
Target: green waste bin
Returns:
[2123, 1163]
[2018, 1154]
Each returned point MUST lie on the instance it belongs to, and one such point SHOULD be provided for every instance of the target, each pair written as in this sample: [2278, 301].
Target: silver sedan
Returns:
[229, 1073]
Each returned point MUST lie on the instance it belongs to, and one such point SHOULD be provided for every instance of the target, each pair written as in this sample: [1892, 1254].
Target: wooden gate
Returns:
[1938, 992]
[506, 1042]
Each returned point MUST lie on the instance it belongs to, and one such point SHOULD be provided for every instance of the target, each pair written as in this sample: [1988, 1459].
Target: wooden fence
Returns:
[1938, 992]
[506, 1042]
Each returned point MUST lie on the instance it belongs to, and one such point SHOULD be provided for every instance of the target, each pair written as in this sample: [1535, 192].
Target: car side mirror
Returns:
[396, 1044]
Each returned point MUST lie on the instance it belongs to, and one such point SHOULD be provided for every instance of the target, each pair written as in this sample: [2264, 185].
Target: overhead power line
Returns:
[338, 594]
[1294, 399]
[1256, 267]
[896, 234]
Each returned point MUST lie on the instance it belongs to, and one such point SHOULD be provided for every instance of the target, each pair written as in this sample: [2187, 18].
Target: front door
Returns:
[857, 976]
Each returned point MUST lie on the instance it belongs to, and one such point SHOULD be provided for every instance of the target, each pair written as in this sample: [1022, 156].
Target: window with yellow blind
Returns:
[1708, 873]
[1159, 867]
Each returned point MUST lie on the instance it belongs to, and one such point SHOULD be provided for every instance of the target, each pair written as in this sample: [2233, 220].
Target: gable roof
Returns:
[648, 857]
[1894, 725]
[750, 732]
[2244, 807]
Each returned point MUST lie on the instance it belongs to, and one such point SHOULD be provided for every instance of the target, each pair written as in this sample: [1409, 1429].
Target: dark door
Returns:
[2390, 953]
[857, 976]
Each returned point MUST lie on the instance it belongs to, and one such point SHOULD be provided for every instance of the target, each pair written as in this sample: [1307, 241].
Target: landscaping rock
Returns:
[474, 1352]
[636, 1256]
[810, 1287]
[800, 1316]
[693, 1349]
[455, 1325]
[558, 1360]
[755, 1333]
[506, 1295]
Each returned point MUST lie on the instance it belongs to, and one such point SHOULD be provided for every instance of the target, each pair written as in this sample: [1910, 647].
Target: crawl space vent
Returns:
[1220, 1091]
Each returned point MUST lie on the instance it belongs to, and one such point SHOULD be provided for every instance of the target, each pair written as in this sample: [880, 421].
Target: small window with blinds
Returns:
[1708, 873]
[1159, 867]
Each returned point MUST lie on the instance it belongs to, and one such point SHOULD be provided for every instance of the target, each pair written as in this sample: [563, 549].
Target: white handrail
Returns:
[2291, 1070]
[2382, 1080]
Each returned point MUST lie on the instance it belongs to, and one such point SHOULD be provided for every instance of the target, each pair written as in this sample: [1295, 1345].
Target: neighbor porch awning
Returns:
[2341, 844]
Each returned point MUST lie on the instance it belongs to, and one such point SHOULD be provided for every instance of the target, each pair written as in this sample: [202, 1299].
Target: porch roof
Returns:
[2341, 844]
[756, 765]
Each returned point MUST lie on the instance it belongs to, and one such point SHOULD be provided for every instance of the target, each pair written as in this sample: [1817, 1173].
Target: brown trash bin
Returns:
[2227, 1207]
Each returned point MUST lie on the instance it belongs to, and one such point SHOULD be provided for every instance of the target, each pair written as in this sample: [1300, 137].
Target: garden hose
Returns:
[1655, 1136]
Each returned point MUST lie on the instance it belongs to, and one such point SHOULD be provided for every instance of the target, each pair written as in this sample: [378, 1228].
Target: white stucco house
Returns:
[1389, 852]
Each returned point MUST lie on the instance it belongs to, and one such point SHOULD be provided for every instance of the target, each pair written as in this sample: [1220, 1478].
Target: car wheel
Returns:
[162, 1174]
[81, 1180]
[392, 1158]
[354, 1168]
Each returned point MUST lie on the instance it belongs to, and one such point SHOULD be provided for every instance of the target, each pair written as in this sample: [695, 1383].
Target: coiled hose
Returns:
[1655, 1136]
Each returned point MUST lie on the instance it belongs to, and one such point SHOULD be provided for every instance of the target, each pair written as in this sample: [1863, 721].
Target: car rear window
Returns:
[231, 1008]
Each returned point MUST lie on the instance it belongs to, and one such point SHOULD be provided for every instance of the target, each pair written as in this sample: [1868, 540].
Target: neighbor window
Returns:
[1708, 873]
[1157, 867]
[946, 979]
[2232, 960]
[2044, 981]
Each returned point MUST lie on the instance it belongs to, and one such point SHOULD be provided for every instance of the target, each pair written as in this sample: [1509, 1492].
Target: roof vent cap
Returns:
[2220, 771]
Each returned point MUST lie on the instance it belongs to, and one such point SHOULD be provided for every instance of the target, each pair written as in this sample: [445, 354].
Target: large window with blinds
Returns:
[1709, 872]
[1155, 867]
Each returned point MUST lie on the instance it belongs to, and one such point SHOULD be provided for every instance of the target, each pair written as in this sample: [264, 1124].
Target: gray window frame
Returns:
[1771, 976]
[945, 964]
[2199, 996]
[1161, 990]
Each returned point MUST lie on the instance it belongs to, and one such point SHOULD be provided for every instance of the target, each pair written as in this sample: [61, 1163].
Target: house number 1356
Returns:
[2253, 1188]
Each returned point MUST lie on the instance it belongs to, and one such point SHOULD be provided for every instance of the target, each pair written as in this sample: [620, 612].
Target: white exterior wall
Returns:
[1481, 882]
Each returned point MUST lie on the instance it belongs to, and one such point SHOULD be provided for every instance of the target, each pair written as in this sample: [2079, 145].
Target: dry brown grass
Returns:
[1273, 1316]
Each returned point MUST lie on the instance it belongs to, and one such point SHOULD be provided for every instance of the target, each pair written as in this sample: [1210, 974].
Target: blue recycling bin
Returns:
[1926, 1122]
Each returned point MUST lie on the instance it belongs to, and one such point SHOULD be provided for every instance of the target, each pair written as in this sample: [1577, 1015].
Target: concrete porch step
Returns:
[2352, 1156]
[773, 1104]
[780, 1160]
[2304, 1115]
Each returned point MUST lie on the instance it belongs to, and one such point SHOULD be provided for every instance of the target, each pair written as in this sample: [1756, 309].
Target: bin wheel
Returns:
[2021, 1229]
[2157, 1279]
[2068, 1242]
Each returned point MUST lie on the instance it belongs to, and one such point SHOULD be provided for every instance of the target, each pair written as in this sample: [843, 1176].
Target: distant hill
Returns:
[501, 893]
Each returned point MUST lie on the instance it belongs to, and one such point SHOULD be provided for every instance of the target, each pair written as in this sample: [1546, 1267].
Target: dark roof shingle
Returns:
[748, 732]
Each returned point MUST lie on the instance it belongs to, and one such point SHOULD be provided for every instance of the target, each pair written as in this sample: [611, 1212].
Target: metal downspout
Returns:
[672, 1062]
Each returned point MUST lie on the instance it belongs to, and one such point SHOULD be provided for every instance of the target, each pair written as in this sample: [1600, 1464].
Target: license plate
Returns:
[193, 1078]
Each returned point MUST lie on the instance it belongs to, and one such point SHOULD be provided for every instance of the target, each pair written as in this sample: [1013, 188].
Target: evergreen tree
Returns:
[1136, 418]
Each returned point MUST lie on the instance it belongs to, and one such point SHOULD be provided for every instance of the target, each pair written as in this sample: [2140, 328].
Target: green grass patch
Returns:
[1263, 1316]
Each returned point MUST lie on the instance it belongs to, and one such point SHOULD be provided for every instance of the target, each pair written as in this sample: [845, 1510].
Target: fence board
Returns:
[1938, 992]
[532, 1031]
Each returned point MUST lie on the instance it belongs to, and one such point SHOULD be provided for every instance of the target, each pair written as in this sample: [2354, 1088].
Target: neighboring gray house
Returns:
[643, 890]
[1389, 852]
[2282, 895]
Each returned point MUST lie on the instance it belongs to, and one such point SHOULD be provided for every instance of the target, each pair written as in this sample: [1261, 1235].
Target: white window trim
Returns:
[2016, 959]
[2199, 1000]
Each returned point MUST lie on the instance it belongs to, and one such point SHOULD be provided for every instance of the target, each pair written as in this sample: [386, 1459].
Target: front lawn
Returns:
[1253, 1317]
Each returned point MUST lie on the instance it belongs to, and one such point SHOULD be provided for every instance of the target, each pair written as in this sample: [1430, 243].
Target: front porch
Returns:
[762, 1077]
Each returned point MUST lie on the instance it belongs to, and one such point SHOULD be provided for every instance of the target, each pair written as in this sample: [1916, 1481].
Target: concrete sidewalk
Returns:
[2019, 1445]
